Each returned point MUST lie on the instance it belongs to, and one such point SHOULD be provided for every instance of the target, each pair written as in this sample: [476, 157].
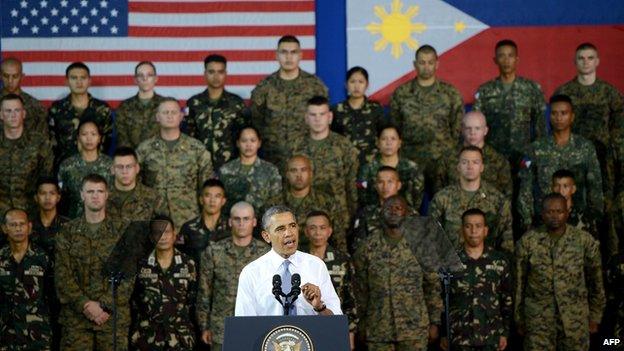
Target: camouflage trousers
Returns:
[88, 339]
[548, 335]
[405, 345]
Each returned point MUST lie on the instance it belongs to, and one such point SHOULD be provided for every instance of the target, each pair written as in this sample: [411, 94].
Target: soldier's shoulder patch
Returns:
[525, 163]
[361, 184]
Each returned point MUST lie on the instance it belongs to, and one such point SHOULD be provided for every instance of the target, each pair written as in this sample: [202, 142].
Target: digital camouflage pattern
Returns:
[26, 290]
[366, 221]
[614, 244]
[260, 186]
[515, 116]
[616, 282]
[221, 264]
[63, 120]
[194, 236]
[135, 120]
[450, 203]
[45, 237]
[558, 283]
[545, 158]
[481, 305]
[496, 170]
[215, 123]
[177, 174]
[163, 301]
[335, 171]
[360, 125]
[410, 174]
[22, 161]
[36, 115]
[278, 109]
[139, 204]
[429, 118]
[71, 172]
[79, 261]
[402, 300]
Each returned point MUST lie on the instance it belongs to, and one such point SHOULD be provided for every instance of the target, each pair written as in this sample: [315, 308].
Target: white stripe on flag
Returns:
[220, 19]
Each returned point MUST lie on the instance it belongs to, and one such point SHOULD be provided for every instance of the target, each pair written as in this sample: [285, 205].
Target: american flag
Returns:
[112, 36]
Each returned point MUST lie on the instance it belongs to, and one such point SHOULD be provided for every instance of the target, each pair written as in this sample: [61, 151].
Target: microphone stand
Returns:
[446, 276]
[115, 280]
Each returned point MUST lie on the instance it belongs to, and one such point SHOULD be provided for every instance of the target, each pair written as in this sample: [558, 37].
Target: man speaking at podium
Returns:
[269, 286]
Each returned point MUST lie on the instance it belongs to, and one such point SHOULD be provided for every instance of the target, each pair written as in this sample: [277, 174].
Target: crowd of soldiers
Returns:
[532, 205]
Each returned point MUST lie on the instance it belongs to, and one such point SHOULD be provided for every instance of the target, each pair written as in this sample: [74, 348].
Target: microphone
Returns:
[277, 287]
[295, 290]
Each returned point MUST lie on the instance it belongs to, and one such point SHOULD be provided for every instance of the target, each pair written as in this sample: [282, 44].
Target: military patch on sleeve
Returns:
[35, 271]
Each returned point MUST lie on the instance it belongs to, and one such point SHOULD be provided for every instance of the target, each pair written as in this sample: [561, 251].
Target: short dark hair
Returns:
[473, 212]
[215, 58]
[388, 125]
[563, 173]
[74, 65]
[470, 148]
[317, 100]
[586, 46]
[125, 151]
[319, 213]
[387, 169]
[426, 49]
[552, 196]
[94, 178]
[288, 39]
[48, 180]
[272, 211]
[213, 183]
[560, 98]
[240, 131]
[89, 118]
[149, 63]
[357, 69]
[11, 96]
[162, 217]
[506, 42]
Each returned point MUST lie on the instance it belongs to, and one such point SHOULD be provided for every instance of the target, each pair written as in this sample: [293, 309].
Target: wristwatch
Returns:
[323, 308]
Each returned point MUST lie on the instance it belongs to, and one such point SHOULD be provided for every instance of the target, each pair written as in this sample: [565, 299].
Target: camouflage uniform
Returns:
[25, 293]
[430, 119]
[64, 119]
[194, 236]
[359, 126]
[221, 264]
[260, 186]
[45, 237]
[545, 158]
[515, 116]
[401, 299]
[450, 203]
[559, 289]
[335, 171]
[616, 282]
[177, 174]
[135, 120]
[366, 221]
[138, 204]
[580, 220]
[70, 175]
[22, 161]
[80, 257]
[215, 123]
[410, 174]
[163, 301]
[481, 306]
[36, 115]
[278, 108]
[496, 170]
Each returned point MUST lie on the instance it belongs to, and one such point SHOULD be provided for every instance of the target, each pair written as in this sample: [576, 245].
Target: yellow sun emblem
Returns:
[396, 28]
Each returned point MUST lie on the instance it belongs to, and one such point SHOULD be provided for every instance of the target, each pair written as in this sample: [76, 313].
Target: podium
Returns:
[284, 333]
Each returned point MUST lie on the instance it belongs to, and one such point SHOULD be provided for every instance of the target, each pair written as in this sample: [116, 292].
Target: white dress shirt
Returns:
[255, 285]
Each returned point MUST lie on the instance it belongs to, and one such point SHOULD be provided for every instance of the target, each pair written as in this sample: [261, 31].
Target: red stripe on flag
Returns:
[248, 79]
[160, 56]
[234, 6]
[220, 31]
[115, 103]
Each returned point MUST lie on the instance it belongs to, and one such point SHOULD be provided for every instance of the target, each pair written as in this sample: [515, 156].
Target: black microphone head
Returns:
[277, 281]
[295, 280]
[295, 290]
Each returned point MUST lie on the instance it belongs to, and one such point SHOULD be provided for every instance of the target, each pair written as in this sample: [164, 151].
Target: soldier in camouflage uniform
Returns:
[481, 306]
[496, 170]
[215, 115]
[65, 115]
[135, 117]
[249, 178]
[221, 264]
[89, 160]
[210, 225]
[563, 150]
[335, 162]
[130, 200]
[411, 176]
[559, 295]
[82, 247]
[318, 229]
[164, 296]
[563, 183]
[47, 221]
[358, 118]
[429, 113]
[402, 302]
[513, 106]
[278, 102]
[37, 116]
[25, 288]
[23, 156]
[174, 164]
[599, 111]
[449, 203]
